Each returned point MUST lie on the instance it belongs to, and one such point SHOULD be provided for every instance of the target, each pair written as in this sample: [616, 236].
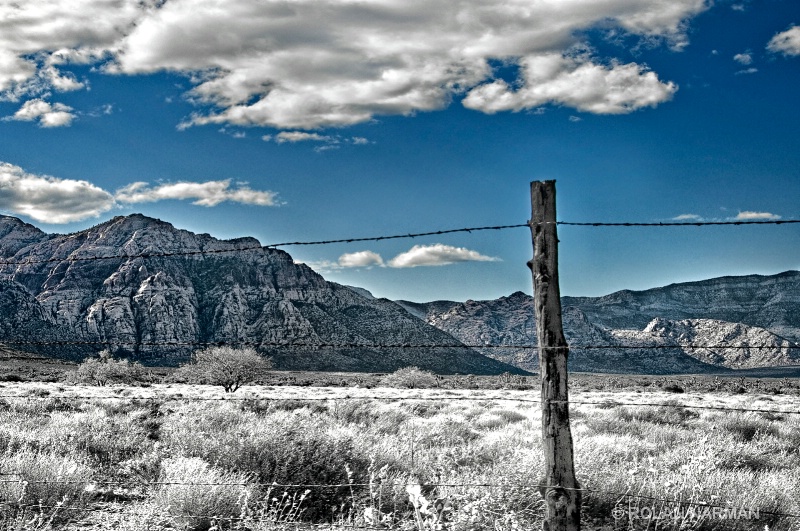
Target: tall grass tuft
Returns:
[281, 447]
[40, 485]
[198, 495]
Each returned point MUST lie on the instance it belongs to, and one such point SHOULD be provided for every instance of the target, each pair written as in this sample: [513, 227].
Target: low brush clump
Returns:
[411, 378]
[197, 494]
[43, 486]
[284, 447]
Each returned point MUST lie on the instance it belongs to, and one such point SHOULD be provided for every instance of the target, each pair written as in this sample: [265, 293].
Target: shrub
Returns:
[746, 427]
[196, 492]
[46, 482]
[104, 370]
[410, 378]
[286, 448]
[226, 366]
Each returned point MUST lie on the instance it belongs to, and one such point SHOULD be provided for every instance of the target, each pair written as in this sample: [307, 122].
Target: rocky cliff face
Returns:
[143, 301]
[751, 321]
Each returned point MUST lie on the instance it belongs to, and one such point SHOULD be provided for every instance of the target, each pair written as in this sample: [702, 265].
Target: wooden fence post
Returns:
[559, 487]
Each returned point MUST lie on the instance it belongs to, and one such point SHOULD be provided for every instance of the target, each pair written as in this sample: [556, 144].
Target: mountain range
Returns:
[151, 292]
[722, 323]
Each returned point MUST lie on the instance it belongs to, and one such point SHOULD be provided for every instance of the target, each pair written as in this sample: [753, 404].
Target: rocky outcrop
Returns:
[152, 292]
[719, 343]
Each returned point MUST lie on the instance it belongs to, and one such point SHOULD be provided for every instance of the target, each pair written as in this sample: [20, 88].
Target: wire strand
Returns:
[163, 254]
[604, 403]
[680, 224]
[678, 502]
[323, 344]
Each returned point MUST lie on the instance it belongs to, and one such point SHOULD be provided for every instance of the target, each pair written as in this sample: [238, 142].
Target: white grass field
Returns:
[174, 456]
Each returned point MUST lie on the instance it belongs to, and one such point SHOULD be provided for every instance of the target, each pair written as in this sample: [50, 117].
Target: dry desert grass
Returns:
[174, 456]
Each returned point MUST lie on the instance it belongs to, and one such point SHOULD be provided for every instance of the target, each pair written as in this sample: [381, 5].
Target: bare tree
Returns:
[226, 366]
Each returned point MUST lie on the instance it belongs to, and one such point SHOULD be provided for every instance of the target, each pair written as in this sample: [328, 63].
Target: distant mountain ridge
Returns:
[120, 284]
[657, 330]
[771, 302]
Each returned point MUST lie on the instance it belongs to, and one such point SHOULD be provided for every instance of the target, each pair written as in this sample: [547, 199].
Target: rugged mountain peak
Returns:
[16, 235]
[10, 223]
[137, 233]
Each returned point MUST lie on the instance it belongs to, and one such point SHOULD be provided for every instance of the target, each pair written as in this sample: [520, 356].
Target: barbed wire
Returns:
[672, 501]
[143, 255]
[182, 398]
[403, 345]
[398, 236]
[613, 403]
[678, 223]
[443, 398]
[163, 254]
[529, 225]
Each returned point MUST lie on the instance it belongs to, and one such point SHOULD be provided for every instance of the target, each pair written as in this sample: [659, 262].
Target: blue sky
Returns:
[289, 120]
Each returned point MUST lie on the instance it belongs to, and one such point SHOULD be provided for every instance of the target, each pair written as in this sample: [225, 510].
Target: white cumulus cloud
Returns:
[49, 199]
[38, 38]
[743, 58]
[360, 259]
[786, 42]
[53, 200]
[577, 83]
[437, 255]
[687, 217]
[754, 216]
[48, 114]
[307, 65]
[209, 193]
